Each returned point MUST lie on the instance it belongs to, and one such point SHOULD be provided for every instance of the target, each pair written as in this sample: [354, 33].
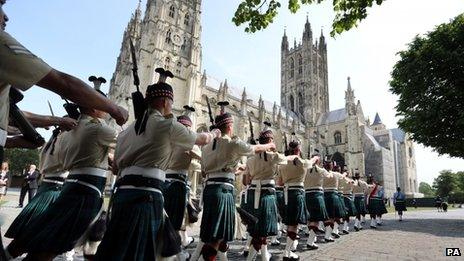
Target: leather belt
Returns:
[86, 184]
[154, 173]
[176, 177]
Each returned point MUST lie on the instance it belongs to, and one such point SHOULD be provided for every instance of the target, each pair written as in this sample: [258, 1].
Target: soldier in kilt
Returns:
[341, 182]
[175, 191]
[84, 152]
[292, 177]
[219, 161]
[49, 190]
[137, 224]
[383, 208]
[332, 201]
[399, 202]
[360, 188]
[261, 201]
[346, 188]
[375, 199]
[281, 210]
[315, 203]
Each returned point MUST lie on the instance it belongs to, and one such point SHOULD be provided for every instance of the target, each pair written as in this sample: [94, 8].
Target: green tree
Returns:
[460, 180]
[426, 189]
[429, 80]
[445, 183]
[18, 159]
[258, 14]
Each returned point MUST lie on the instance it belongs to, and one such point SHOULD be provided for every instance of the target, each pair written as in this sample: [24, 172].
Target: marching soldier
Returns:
[175, 187]
[346, 188]
[261, 200]
[399, 202]
[335, 209]
[375, 206]
[292, 177]
[360, 188]
[219, 162]
[315, 203]
[141, 160]
[84, 152]
[54, 175]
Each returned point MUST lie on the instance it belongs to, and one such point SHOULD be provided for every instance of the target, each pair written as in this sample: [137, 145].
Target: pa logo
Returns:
[453, 251]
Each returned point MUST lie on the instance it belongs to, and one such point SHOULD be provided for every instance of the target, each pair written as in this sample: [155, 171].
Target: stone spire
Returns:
[350, 99]
[284, 45]
[307, 33]
[322, 43]
[377, 119]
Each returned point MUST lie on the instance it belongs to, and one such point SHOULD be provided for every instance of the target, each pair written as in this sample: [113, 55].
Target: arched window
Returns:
[172, 10]
[186, 19]
[300, 65]
[179, 67]
[292, 103]
[338, 137]
[300, 103]
[167, 61]
[168, 36]
[292, 67]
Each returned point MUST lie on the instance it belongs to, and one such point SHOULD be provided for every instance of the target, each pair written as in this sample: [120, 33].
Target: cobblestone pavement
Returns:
[423, 235]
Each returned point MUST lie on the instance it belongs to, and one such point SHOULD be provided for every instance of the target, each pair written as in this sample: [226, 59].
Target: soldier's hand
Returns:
[272, 146]
[216, 132]
[120, 115]
[67, 123]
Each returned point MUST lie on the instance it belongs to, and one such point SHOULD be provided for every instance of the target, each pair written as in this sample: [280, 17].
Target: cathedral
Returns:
[168, 35]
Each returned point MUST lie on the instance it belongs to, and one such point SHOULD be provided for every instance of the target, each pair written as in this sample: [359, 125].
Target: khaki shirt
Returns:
[260, 169]
[360, 186]
[294, 171]
[154, 147]
[345, 185]
[50, 163]
[87, 145]
[181, 158]
[18, 67]
[315, 177]
[226, 156]
[333, 180]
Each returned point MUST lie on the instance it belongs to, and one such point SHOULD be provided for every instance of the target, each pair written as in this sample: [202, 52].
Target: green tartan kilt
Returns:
[360, 204]
[342, 203]
[218, 220]
[333, 204]
[280, 203]
[46, 195]
[315, 204]
[349, 205]
[175, 202]
[400, 205]
[58, 229]
[295, 210]
[132, 233]
[266, 213]
[376, 206]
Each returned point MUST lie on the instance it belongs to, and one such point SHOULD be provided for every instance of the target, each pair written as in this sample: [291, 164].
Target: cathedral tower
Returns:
[168, 36]
[304, 77]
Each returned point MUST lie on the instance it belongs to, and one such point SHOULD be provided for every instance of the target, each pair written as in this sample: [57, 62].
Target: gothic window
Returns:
[292, 67]
[292, 103]
[179, 67]
[167, 61]
[338, 137]
[300, 65]
[168, 36]
[172, 10]
[300, 104]
[186, 19]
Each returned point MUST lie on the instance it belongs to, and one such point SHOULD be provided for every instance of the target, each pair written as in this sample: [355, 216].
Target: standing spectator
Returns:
[30, 184]
[4, 177]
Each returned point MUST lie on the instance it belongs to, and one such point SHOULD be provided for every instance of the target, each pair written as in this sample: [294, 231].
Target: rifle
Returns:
[71, 109]
[138, 101]
[252, 140]
[20, 121]
[285, 144]
[210, 113]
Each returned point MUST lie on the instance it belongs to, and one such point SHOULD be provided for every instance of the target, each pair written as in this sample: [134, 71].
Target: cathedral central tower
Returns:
[304, 76]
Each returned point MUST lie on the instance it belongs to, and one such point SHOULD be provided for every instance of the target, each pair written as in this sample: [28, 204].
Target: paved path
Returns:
[423, 235]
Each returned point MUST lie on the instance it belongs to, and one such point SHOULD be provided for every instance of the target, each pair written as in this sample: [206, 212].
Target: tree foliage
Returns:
[18, 159]
[426, 189]
[446, 183]
[429, 80]
[258, 14]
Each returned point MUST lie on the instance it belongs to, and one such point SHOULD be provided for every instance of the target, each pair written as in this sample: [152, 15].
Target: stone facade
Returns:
[168, 35]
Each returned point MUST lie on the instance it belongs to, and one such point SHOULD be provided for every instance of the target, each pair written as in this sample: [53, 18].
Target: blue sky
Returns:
[84, 37]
